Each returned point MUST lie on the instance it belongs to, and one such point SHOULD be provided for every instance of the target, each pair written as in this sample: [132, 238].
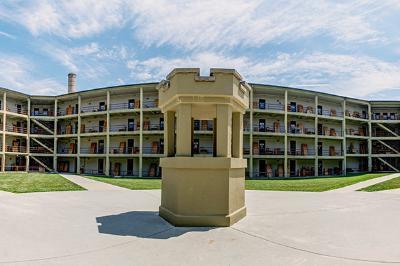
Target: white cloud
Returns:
[17, 75]
[72, 18]
[355, 76]
[229, 23]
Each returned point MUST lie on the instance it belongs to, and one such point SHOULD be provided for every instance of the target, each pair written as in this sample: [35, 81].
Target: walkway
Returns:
[90, 184]
[364, 184]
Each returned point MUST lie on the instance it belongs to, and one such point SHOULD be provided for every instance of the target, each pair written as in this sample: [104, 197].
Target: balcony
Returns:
[42, 113]
[93, 150]
[262, 105]
[123, 106]
[272, 128]
[357, 114]
[150, 104]
[16, 129]
[147, 126]
[153, 150]
[39, 149]
[124, 128]
[351, 150]
[361, 132]
[124, 150]
[329, 132]
[93, 129]
[67, 150]
[385, 116]
[299, 108]
[68, 111]
[267, 151]
[93, 108]
[301, 152]
[330, 113]
[15, 148]
[330, 152]
[301, 131]
[18, 110]
[68, 130]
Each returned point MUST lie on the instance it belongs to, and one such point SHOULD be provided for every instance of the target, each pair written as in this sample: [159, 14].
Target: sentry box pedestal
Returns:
[203, 185]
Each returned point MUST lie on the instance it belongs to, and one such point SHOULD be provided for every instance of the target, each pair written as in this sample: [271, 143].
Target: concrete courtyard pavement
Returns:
[109, 227]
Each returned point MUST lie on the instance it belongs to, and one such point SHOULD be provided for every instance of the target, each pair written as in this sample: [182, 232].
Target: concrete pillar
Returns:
[224, 130]
[344, 138]
[184, 130]
[369, 139]
[285, 166]
[3, 158]
[107, 172]
[141, 133]
[28, 131]
[78, 148]
[169, 133]
[316, 137]
[237, 135]
[55, 135]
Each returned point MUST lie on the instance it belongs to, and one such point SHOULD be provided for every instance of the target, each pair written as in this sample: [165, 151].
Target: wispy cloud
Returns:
[18, 74]
[8, 35]
[357, 76]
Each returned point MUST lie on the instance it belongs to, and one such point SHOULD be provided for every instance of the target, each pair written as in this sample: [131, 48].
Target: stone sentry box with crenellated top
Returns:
[203, 191]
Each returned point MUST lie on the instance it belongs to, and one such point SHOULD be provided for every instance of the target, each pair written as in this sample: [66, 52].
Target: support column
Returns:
[28, 131]
[169, 133]
[108, 135]
[316, 137]
[78, 149]
[224, 131]
[237, 135]
[141, 134]
[285, 166]
[369, 139]
[184, 131]
[250, 160]
[55, 135]
[344, 138]
[3, 157]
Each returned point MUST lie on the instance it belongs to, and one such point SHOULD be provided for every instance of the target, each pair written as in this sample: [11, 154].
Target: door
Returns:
[196, 125]
[131, 146]
[292, 167]
[131, 124]
[261, 103]
[35, 111]
[319, 167]
[129, 167]
[261, 168]
[19, 108]
[102, 106]
[320, 130]
[319, 107]
[101, 147]
[162, 146]
[292, 147]
[261, 125]
[161, 123]
[292, 127]
[319, 148]
[102, 126]
[131, 104]
[45, 111]
[100, 166]
[261, 146]
[196, 146]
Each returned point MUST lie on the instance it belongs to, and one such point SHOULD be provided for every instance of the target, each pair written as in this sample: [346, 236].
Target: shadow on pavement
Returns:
[143, 224]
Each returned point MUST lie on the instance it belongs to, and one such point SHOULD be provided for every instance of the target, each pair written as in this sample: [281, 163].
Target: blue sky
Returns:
[350, 48]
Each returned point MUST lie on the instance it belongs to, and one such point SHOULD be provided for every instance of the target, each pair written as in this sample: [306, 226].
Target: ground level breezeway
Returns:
[122, 227]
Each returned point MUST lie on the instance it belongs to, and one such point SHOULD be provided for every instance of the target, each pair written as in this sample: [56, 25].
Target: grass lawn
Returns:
[130, 183]
[308, 184]
[317, 184]
[386, 185]
[35, 182]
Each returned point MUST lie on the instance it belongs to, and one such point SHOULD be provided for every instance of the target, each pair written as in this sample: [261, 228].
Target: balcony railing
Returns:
[123, 128]
[42, 113]
[300, 109]
[15, 168]
[150, 104]
[20, 149]
[123, 106]
[153, 150]
[39, 149]
[94, 108]
[151, 173]
[152, 127]
[71, 111]
[301, 152]
[385, 116]
[268, 151]
[356, 151]
[91, 171]
[305, 130]
[92, 150]
[330, 152]
[124, 150]
[17, 110]
[330, 132]
[39, 131]
[246, 150]
[355, 132]
[269, 106]
[331, 113]
[269, 128]
[267, 174]
[15, 129]
[66, 131]
[93, 129]
[356, 114]
[66, 151]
